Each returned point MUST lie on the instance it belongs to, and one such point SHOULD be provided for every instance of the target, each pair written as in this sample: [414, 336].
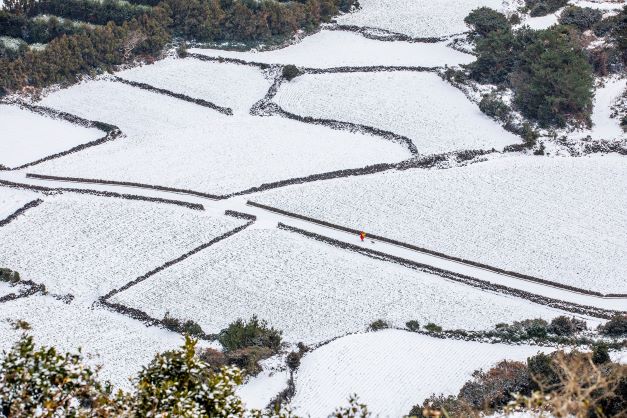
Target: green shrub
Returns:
[9, 276]
[563, 325]
[412, 325]
[378, 325]
[254, 333]
[431, 327]
[615, 327]
[600, 353]
[544, 7]
[553, 80]
[178, 383]
[494, 107]
[293, 360]
[449, 405]
[542, 371]
[290, 72]
[192, 328]
[605, 26]
[485, 20]
[43, 382]
[583, 18]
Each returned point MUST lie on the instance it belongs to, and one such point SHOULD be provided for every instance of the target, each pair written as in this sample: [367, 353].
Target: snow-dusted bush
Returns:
[485, 20]
[254, 333]
[493, 389]
[494, 107]
[616, 327]
[583, 18]
[563, 325]
[43, 382]
[413, 325]
[544, 7]
[378, 325]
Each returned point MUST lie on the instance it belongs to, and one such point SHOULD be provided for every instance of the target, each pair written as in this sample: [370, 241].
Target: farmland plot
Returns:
[418, 105]
[28, 136]
[228, 85]
[560, 219]
[13, 199]
[419, 18]
[328, 49]
[391, 370]
[179, 144]
[313, 291]
[117, 343]
[87, 245]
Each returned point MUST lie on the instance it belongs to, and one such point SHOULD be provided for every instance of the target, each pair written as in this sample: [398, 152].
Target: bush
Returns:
[9, 276]
[215, 359]
[542, 372]
[254, 333]
[290, 72]
[248, 358]
[493, 389]
[485, 20]
[188, 327]
[43, 382]
[615, 327]
[529, 135]
[583, 18]
[553, 80]
[563, 325]
[293, 360]
[605, 26]
[494, 107]
[544, 7]
[412, 325]
[450, 405]
[378, 325]
[431, 327]
[600, 353]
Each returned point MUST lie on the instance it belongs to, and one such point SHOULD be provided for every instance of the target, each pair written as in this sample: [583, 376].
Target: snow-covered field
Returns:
[87, 246]
[313, 291]
[6, 289]
[561, 219]
[117, 343]
[419, 18]
[12, 199]
[174, 143]
[603, 126]
[328, 49]
[391, 371]
[420, 106]
[28, 136]
[227, 85]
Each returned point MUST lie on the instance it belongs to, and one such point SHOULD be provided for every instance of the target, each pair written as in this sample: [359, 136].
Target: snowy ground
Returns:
[87, 246]
[603, 125]
[391, 371]
[561, 219]
[313, 291]
[417, 105]
[229, 85]
[7, 288]
[117, 343]
[419, 18]
[28, 136]
[13, 199]
[174, 143]
[327, 49]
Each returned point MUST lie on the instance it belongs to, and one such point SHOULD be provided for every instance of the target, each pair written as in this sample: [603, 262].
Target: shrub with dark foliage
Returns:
[583, 18]
[485, 20]
[412, 325]
[254, 333]
[494, 107]
[544, 7]
[290, 72]
[563, 325]
[493, 389]
[615, 327]
[378, 325]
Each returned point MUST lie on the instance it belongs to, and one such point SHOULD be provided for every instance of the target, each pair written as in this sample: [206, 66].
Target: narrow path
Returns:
[267, 219]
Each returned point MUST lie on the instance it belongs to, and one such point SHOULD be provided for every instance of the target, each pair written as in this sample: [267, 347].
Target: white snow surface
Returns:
[391, 370]
[560, 219]
[119, 344]
[418, 105]
[28, 136]
[419, 18]
[7, 288]
[86, 245]
[603, 126]
[174, 143]
[228, 85]
[313, 291]
[328, 49]
[12, 199]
